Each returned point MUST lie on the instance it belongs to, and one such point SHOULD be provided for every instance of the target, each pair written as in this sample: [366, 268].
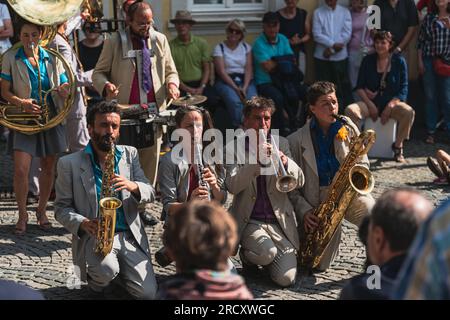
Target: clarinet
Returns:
[198, 161]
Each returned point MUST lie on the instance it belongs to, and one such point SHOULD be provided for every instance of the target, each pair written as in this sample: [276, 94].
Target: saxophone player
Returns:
[319, 148]
[78, 192]
[265, 217]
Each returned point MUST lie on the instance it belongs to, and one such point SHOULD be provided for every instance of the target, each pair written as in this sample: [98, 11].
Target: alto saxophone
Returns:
[350, 179]
[108, 205]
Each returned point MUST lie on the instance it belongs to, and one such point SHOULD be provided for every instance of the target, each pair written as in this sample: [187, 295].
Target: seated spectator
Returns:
[6, 28]
[440, 167]
[234, 67]
[383, 87]
[425, 272]
[200, 239]
[394, 221]
[192, 60]
[295, 24]
[276, 75]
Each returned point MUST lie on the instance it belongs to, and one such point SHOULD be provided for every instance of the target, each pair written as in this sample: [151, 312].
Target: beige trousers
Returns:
[149, 157]
[266, 245]
[402, 113]
[126, 260]
[359, 207]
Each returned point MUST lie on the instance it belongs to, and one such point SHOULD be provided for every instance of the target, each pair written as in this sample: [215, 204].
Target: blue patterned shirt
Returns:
[121, 224]
[327, 164]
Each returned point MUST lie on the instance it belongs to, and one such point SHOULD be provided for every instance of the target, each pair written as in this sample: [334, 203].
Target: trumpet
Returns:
[285, 181]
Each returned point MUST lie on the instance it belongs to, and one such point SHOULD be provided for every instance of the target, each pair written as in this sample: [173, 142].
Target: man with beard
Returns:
[78, 192]
[119, 75]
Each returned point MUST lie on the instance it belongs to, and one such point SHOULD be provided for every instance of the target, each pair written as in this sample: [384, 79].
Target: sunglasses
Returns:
[234, 31]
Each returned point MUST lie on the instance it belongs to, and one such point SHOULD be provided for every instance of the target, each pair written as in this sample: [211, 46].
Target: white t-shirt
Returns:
[234, 60]
[5, 44]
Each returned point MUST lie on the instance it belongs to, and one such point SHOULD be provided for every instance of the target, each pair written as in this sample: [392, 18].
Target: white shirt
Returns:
[5, 44]
[330, 27]
[234, 60]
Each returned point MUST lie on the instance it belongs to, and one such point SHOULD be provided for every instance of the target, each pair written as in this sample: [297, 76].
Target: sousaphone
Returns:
[47, 13]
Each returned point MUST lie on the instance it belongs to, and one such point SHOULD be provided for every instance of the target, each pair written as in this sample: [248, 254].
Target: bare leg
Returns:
[22, 162]
[444, 160]
[46, 179]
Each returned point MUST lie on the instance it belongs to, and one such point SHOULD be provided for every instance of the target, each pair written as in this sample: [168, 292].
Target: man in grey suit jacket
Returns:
[78, 189]
[267, 225]
[76, 128]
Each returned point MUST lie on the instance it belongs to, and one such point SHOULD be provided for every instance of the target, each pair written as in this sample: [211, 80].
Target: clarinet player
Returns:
[181, 180]
[78, 192]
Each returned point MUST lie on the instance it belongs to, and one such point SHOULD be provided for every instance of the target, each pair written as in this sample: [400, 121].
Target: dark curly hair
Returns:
[101, 107]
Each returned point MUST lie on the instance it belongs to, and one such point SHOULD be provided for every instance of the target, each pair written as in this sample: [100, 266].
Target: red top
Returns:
[193, 182]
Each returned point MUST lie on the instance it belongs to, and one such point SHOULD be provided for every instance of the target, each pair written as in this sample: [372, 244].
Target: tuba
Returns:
[108, 206]
[351, 179]
[47, 13]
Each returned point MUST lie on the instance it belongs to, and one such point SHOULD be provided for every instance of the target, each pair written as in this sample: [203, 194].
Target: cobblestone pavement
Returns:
[42, 259]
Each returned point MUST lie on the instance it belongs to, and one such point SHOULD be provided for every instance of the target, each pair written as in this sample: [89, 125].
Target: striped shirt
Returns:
[434, 38]
[426, 271]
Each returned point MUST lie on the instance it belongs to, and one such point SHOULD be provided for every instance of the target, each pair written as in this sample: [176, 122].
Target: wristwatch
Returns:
[398, 50]
[203, 85]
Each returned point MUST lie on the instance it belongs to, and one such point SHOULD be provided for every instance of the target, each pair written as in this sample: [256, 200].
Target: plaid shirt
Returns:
[434, 38]
[426, 272]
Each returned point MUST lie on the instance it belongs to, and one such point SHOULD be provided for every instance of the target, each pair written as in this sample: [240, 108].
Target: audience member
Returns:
[433, 46]
[383, 88]
[295, 24]
[394, 221]
[425, 272]
[234, 68]
[200, 238]
[332, 30]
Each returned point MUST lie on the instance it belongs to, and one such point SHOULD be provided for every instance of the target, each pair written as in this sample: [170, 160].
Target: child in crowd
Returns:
[200, 240]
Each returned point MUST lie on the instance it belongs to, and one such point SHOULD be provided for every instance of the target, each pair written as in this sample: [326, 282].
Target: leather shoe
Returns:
[148, 218]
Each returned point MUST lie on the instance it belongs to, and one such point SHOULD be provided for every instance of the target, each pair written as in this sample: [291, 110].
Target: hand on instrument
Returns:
[173, 91]
[30, 106]
[63, 90]
[120, 183]
[210, 178]
[310, 221]
[89, 226]
[283, 157]
[200, 193]
[111, 91]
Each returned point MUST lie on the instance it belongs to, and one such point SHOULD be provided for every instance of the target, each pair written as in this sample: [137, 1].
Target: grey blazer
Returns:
[83, 79]
[173, 177]
[76, 199]
[241, 182]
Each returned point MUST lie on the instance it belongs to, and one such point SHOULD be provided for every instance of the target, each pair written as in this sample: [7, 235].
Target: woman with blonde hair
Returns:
[234, 69]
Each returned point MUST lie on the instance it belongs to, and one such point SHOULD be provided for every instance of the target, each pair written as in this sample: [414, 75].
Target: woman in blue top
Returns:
[19, 86]
[383, 87]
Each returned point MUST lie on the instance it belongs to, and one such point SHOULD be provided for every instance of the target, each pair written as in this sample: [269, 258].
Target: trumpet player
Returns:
[319, 147]
[265, 217]
[182, 181]
[78, 192]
